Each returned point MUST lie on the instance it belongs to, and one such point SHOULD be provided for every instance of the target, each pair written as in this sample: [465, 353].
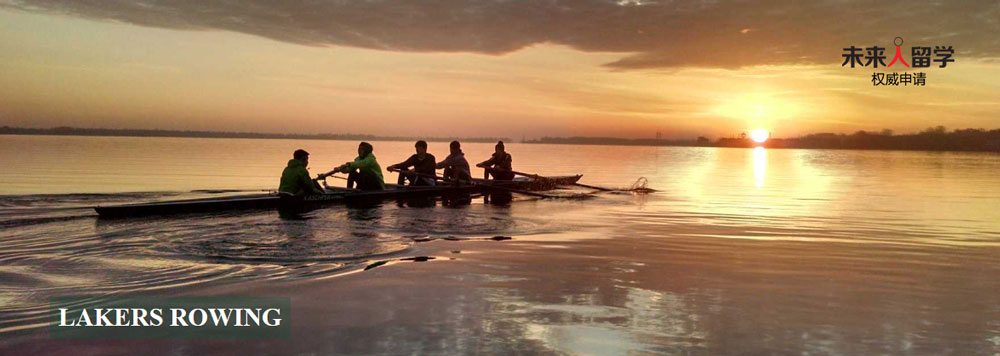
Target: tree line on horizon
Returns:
[74, 131]
[932, 139]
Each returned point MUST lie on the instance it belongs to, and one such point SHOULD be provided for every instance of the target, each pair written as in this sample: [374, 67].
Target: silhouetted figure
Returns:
[499, 165]
[456, 168]
[423, 164]
[363, 171]
[295, 179]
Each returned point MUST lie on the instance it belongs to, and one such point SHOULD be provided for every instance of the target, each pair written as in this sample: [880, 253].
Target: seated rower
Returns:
[295, 179]
[364, 170]
[456, 168]
[423, 167]
[499, 165]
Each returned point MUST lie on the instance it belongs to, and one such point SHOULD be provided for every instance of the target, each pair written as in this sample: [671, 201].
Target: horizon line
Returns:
[133, 132]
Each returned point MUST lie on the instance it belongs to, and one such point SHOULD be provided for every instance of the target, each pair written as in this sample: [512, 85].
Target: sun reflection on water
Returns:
[759, 165]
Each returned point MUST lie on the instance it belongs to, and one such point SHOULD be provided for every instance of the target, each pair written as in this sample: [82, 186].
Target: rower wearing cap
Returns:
[456, 168]
[499, 165]
[295, 178]
[363, 171]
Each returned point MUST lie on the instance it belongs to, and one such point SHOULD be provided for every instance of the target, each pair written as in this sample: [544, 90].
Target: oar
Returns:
[324, 176]
[635, 189]
[488, 186]
[574, 183]
[513, 190]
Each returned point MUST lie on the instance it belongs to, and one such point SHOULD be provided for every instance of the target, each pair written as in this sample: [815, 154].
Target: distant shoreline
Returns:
[73, 131]
[932, 139]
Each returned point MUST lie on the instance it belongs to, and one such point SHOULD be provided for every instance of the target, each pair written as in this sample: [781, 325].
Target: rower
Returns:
[456, 168]
[423, 167]
[364, 170]
[499, 165]
[295, 178]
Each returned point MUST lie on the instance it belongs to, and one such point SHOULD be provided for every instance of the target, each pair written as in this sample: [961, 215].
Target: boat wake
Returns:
[54, 245]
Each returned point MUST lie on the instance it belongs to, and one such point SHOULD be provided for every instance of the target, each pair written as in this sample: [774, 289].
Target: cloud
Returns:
[649, 34]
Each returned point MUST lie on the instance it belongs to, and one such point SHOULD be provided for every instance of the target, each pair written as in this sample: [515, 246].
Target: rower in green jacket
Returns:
[295, 178]
[364, 170]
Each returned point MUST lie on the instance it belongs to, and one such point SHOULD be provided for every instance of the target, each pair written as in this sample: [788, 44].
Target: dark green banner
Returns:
[170, 318]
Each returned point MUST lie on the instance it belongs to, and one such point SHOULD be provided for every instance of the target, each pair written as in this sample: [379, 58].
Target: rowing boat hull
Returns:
[334, 196]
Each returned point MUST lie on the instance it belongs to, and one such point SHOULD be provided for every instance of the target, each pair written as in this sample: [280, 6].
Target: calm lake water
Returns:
[741, 251]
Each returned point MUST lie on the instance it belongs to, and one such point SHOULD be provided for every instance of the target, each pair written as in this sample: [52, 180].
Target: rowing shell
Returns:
[333, 196]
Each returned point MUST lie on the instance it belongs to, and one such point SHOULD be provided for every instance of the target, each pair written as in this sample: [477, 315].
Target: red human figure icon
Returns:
[899, 53]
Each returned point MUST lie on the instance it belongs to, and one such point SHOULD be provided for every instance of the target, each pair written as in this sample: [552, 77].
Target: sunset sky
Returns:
[491, 68]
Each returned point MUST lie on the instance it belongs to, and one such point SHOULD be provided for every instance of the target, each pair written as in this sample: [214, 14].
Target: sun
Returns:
[759, 135]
